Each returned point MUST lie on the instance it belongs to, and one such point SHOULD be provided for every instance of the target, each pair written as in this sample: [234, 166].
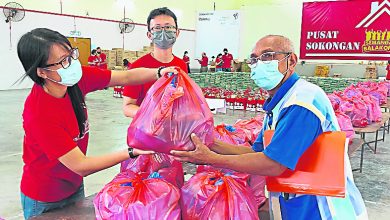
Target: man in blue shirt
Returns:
[298, 112]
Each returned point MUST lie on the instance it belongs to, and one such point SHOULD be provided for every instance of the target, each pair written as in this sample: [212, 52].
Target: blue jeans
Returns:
[218, 70]
[33, 207]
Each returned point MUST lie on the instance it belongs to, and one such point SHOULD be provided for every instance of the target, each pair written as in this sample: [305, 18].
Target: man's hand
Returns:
[201, 155]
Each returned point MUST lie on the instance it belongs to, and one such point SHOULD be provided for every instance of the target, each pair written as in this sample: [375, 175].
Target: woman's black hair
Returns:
[33, 51]
[185, 52]
[93, 51]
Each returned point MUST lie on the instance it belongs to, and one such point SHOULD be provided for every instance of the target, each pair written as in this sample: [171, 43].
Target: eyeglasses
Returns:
[65, 63]
[166, 28]
[266, 57]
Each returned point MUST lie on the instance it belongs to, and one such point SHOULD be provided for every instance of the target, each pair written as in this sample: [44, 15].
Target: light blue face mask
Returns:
[69, 76]
[267, 75]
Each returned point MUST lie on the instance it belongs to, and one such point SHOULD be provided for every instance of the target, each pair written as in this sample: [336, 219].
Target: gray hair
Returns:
[283, 43]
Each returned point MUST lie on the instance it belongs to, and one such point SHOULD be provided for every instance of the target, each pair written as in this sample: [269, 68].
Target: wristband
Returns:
[131, 153]
[159, 71]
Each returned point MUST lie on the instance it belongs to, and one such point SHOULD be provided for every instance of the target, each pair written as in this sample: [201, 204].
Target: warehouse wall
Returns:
[102, 33]
[138, 10]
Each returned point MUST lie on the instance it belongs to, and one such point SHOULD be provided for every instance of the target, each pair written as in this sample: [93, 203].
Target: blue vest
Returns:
[314, 99]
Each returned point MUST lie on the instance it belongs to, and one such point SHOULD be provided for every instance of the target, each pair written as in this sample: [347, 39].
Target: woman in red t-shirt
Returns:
[388, 70]
[55, 120]
[92, 59]
[218, 63]
[186, 59]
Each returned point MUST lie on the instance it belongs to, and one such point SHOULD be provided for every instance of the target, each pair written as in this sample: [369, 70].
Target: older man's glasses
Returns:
[266, 57]
[166, 28]
[65, 63]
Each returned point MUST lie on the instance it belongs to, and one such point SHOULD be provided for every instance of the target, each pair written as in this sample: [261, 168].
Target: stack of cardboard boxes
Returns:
[321, 71]
[116, 55]
[111, 58]
[371, 72]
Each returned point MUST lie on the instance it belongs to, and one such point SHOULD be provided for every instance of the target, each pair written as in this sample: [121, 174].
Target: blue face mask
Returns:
[69, 76]
[267, 75]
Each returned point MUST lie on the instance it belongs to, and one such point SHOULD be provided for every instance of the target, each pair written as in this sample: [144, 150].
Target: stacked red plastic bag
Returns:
[170, 169]
[138, 196]
[253, 125]
[256, 183]
[173, 108]
[345, 124]
[215, 195]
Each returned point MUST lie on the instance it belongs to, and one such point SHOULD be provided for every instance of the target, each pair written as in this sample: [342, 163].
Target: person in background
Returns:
[388, 70]
[92, 59]
[297, 112]
[219, 63]
[204, 62]
[227, 61]
[186, 59]
[55, 120]
[162, 31]
[102, 57]
[212, 64]
[126, 64]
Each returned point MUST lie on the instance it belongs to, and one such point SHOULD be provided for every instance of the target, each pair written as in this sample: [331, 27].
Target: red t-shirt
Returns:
[217, 61]
[139, 91]
[388, 72]
[186, 59]
[51, 131]
[102, 58]
[92, 59]
[227, 60]
[204, 61]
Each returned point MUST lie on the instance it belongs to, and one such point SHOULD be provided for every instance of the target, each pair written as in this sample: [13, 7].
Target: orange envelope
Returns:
[320, 170]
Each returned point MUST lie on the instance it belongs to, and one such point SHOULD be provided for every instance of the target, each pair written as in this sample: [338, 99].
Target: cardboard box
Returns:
[141, 53]
[147, 49]
[129, 53]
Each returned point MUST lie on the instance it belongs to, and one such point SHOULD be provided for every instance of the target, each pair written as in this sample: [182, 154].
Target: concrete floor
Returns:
[108, 134]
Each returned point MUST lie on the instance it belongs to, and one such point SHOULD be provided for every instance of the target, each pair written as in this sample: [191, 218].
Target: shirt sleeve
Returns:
[94, 79]
[296, 130]
[53, 139]
[258, 144]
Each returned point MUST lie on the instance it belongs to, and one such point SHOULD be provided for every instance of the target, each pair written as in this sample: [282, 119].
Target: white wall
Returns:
[102, 33]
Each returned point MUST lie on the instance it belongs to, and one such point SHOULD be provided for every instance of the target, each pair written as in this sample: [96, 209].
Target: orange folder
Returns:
[320, 170]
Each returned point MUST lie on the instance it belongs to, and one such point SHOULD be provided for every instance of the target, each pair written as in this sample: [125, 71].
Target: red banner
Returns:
[346, 30]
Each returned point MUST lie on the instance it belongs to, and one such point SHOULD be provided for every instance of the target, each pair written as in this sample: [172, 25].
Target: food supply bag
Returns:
[170, 169]
[138, 196]
[217, 196]
[173, 108]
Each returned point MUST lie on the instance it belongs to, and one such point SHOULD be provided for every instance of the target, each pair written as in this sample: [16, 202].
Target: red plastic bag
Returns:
[252, 126]
[170, 169]
[217, 196]
[174, 107]
[345, 124]
[137, 196]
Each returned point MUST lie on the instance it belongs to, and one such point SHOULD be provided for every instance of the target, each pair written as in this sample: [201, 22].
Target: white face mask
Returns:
[69, 76]
[267, 75]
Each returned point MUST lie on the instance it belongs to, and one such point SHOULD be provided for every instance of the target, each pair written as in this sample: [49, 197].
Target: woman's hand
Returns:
[171, 69]
[138, 152]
